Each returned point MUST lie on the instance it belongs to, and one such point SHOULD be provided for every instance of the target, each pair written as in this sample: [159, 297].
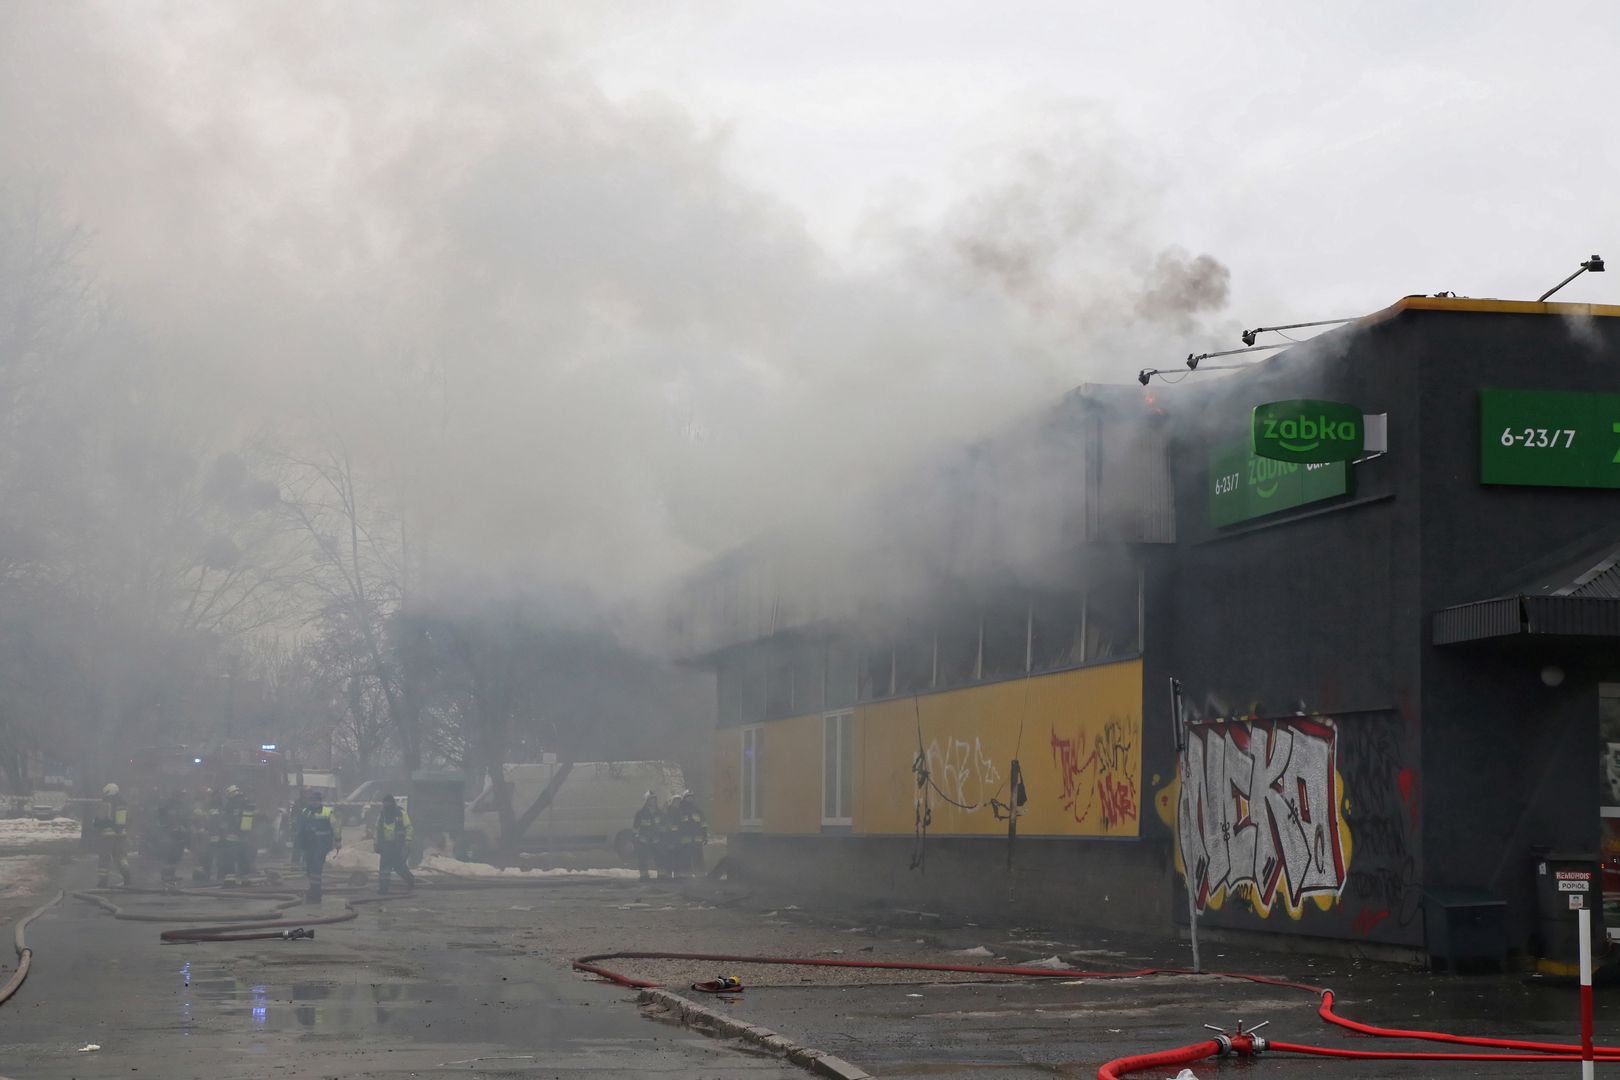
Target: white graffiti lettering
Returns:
[1258, 812]
[963, 771]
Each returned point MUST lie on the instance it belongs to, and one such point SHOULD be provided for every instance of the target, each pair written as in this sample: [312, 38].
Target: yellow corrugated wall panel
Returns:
[1077, 735]
[792, 775]
[727, 775]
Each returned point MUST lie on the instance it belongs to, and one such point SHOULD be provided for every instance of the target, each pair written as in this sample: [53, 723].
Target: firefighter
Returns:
[648, 829]
[112, 825]
[690, 832]
[174, 822]
[207, 836]
[318, 836]
[238, 846]
[393, 842]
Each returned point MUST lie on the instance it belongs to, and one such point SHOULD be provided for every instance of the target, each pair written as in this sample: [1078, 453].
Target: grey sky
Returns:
[600, 289]
[1335, 156]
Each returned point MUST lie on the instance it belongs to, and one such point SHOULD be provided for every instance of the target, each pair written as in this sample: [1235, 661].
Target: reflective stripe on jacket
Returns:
[320, 826]
[396, 831]
[112, 817]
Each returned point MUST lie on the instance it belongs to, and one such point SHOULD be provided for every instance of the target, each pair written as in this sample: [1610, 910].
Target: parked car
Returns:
[594, 806]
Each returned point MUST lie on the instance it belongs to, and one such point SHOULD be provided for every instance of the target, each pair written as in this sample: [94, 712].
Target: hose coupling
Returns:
[297, 934]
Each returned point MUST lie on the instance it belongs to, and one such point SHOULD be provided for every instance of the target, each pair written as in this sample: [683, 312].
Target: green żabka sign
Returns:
[1244, 486]
[1308, 431]
[1549, 438]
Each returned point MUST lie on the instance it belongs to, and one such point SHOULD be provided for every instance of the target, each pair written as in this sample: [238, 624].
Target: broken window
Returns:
[779, 686]
[1112, 609]
[958, 649]
[1006, 640]
[877, 672]
[914, 659]
[809, 677]
[1057, 622]
[843, 681]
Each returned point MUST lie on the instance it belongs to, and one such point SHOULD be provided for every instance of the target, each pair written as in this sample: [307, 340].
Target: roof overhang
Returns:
[1525, 616]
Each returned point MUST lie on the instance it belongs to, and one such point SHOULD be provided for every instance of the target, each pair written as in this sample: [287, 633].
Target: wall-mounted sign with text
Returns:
[1549, 438]
[1243, 485]
[1308, 431]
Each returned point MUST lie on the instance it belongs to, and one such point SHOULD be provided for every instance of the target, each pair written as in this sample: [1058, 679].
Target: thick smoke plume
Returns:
[410, 266]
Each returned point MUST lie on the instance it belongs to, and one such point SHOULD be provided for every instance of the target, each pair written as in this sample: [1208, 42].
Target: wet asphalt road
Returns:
[477, 984]
[420, 987]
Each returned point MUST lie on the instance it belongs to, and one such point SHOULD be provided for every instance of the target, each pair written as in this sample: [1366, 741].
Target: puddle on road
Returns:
[208, 994]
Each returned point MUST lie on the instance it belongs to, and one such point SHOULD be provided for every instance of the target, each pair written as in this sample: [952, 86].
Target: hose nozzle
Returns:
[297, 934]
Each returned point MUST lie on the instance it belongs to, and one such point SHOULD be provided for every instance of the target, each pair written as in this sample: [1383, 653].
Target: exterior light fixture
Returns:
[1594, 264]
[1248, 335]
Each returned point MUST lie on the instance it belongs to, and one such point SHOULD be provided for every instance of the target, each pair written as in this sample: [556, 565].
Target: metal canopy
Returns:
[1512, 616]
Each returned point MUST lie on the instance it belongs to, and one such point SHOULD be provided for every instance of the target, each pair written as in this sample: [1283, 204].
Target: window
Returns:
[957, 650]
[752, 811]
[837, 768]
[779, 688]
[914, 659]
[877, 672]
[843, 666]
[809, 678]
[1006, 641]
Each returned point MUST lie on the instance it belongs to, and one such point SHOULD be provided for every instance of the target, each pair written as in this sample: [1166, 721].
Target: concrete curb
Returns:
[690, 1012]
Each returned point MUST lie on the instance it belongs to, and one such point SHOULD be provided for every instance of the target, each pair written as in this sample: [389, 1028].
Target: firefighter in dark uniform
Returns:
[648, 829]
[690, 833]
[238, 847]
[318, 836]
[174, 822]
[112, 826]
[393, 843]
[207, 835]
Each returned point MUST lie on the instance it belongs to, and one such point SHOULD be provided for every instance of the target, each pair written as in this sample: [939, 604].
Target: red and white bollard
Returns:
[1585, 914]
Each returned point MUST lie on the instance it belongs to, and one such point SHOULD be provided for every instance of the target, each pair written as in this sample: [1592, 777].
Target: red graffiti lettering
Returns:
[1098, 774]
[1367, 920]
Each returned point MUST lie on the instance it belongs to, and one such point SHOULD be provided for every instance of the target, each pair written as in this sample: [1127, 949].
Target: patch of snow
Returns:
[977, 950]
[360, 857]
[1050, 962]
[26, 832]
[447, 865]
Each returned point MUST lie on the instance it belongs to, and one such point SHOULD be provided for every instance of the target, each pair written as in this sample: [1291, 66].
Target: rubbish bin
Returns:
[1566, 882]
[1462, 926]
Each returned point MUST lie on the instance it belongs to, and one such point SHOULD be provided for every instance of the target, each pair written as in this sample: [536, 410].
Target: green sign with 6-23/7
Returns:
[1549, 438]
[1244, 485]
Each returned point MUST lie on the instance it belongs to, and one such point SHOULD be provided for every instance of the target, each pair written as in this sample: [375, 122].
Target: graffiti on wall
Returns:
[963, 772]
[1097, 771]
[1260, 815]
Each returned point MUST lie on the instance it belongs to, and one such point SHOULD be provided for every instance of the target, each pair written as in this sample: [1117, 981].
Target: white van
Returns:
[593, 808]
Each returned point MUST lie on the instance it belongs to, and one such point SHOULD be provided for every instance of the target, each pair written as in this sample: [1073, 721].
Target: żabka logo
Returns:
[1308, 431]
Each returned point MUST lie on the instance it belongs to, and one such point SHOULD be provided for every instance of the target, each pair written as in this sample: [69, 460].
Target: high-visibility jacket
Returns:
[112, 817]
[396, 830]
[319, 828]
[648, 825]
[238, 821]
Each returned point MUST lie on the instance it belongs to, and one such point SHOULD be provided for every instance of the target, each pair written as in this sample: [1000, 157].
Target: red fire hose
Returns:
[1325, 1011]
[1241, 1044]
[1159, 1059]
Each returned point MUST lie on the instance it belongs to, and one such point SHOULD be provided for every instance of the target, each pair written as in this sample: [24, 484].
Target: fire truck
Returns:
[154, 773]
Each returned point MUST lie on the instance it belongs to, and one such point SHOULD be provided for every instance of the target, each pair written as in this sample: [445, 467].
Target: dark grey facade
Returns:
[1452, 762]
